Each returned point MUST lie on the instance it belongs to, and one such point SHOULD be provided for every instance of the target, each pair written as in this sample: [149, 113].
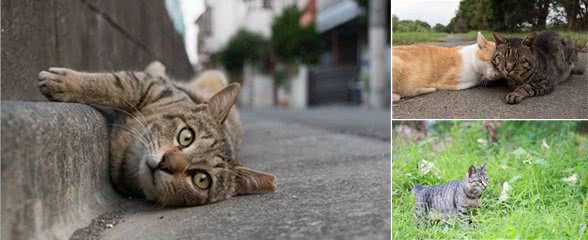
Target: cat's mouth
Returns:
[153, 171]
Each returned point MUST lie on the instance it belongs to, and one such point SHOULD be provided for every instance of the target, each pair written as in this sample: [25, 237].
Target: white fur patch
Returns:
[474, 69]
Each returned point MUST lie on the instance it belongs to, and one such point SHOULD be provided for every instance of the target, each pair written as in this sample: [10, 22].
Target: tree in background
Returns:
[409, 25]
[518, 15]
[512, 15]
[574, 13]
[471, 14]
[244, 46]
[292, 42]
[541, 12]
[440, 28]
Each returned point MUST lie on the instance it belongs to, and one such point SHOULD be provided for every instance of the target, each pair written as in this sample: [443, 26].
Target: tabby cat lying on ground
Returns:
[534, 65]
[177, 143]
[420, 69]
[450, 199]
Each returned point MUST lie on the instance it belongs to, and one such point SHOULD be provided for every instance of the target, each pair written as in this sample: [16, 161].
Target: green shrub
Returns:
[292, 42]
[244, 47]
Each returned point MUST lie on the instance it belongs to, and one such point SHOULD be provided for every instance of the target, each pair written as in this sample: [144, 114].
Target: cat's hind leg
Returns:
[209, 83]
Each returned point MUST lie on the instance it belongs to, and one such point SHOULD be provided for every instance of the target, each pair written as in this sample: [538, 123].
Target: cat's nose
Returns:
[509, 67]
[164, 165]
[172, 162]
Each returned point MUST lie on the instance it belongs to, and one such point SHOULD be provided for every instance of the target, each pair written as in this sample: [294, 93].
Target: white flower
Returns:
[544, 145]
[426, 167]
[571, 180]
[520, 152]
[505, 194]
[482, 142]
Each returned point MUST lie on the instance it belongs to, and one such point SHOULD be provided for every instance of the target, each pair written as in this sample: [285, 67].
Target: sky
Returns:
[430, 11]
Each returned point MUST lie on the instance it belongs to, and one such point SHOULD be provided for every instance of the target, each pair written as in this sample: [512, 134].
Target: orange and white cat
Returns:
[420, 69]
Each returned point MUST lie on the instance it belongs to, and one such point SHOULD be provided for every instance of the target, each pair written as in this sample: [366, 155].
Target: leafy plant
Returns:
[244, 46]
[292, 42]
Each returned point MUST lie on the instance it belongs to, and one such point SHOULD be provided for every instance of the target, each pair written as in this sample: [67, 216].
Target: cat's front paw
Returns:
[54, 83]
[514, 98]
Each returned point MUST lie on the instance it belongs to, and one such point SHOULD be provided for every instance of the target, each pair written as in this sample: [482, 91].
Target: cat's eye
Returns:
[186, 137]
[201, 180]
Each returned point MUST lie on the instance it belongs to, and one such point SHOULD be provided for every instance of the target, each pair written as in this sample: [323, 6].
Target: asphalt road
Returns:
[331, 184]
[351, 120]
[569, 100]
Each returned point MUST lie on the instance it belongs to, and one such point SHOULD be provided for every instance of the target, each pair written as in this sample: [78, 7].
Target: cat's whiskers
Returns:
[144, 122]
[137, 135]
[134, 133]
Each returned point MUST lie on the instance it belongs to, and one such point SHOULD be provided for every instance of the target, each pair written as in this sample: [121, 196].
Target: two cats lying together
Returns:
[533, 66]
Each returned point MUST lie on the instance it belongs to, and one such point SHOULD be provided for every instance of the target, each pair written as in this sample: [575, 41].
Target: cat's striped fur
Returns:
[534, 65]
[450, 199]
[176, 144]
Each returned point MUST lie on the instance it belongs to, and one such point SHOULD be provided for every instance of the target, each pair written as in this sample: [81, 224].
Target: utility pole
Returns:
[377, 41]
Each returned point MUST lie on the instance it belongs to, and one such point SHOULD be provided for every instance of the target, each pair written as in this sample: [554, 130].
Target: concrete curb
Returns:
[54, 169]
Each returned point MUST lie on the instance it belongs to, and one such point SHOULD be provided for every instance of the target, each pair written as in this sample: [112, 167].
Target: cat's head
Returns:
[514, 57]
[185, 156]
[484, 54]
[476, 180]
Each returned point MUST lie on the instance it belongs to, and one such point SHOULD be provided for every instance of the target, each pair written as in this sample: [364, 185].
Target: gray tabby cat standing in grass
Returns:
[177, 144]
[452, 199]
[534, 65]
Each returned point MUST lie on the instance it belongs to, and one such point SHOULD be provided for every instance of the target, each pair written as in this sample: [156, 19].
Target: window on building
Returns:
[267, 4]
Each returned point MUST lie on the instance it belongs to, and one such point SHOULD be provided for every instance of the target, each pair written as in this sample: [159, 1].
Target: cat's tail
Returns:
[209, 82]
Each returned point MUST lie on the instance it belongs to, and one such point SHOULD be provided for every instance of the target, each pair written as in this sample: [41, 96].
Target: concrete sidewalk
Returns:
[330, 185]
[344, 119]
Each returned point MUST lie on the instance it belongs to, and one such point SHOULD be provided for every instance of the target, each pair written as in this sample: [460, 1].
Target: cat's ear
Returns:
[251, 181]
[481, 41]
[471, 171]
[220, 104]
[498, 38]
[155, 68]
[529, 41]
[483, 168]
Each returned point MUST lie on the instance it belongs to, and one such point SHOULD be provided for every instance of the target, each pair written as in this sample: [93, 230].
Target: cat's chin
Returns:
[147, 180]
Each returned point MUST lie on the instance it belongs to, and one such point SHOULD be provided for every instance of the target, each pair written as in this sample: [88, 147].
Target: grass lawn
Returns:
[532, 157]
[404, 38]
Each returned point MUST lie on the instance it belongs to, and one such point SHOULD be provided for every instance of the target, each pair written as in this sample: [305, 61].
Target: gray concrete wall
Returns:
[89, 35]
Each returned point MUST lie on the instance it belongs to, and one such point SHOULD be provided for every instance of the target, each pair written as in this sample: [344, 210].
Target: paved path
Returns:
[330, 185]
[569, 100]
[344, 119]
